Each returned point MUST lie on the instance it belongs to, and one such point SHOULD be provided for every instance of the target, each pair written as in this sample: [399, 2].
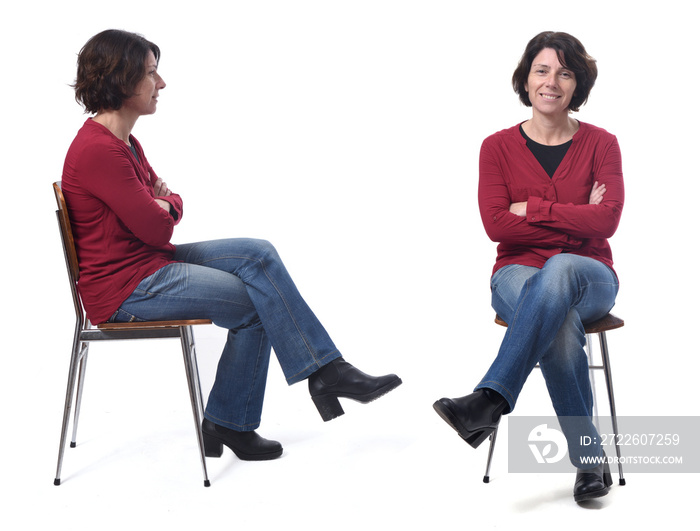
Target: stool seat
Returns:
[609, 322]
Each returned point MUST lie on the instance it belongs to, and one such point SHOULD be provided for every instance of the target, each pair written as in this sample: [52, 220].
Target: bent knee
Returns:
[262, 249]
[562, 264]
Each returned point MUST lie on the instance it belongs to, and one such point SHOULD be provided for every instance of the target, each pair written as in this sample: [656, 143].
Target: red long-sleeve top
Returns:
[559, 218]
[121, 234]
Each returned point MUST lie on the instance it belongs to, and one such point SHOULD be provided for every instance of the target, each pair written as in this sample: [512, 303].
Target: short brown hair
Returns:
[110, 66]
[571, 54]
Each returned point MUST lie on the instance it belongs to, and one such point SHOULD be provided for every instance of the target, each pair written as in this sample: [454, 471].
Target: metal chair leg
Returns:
[492, 445]
[79, 391]
[611, 397]
[192, 371]
[72, 377]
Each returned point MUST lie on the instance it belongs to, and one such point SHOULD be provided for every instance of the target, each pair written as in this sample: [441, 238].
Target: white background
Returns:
[347, 133]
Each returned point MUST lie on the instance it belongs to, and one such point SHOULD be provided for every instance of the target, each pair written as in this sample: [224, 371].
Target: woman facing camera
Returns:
[123, 216]
[551, 194]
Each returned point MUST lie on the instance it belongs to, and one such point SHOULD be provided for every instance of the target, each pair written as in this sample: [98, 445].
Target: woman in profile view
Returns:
[551, 194]
[123, 215]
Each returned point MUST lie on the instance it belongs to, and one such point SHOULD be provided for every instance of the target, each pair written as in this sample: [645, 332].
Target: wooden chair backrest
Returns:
[66, 234]
[74, 274]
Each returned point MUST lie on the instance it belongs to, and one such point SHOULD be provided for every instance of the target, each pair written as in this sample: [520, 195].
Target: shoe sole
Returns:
[329, 406]
[591, 495]
[210, 451]
[374, 395]
[472, 438]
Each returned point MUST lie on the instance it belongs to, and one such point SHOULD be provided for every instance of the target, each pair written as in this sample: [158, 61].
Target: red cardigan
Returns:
[559, 218]
[121, 234]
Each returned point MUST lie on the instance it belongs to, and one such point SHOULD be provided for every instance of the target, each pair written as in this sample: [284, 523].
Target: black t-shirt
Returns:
[548, 156]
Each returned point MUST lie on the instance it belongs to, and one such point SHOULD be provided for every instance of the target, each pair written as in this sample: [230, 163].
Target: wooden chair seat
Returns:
[153, 324]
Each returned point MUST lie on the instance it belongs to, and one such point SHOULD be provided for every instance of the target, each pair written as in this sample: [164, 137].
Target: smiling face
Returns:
[550, 85]
[145, 99]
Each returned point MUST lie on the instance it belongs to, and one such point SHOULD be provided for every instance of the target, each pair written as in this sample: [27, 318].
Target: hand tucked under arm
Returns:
[163, 204]
[160, 189]
[519, 209]
[597, 193]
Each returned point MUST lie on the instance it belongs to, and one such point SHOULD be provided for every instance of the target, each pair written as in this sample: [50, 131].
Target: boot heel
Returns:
[607, 476]
[476, 438]
[328, 407]
[212, 447]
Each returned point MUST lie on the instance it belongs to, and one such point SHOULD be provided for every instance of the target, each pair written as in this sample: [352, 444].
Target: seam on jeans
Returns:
[216, 419]
[517, 309]
[504, 389]
[291, 380]
[183, 298]
[291, 315]
[279, 293]
[255, 375]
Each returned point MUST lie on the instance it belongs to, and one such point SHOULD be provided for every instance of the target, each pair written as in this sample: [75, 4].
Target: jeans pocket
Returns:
[121, 316]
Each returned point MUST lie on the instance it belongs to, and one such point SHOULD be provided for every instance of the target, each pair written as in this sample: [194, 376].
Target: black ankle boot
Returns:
[339, 379]
[474, 416]
[247, 445]
[592, 483]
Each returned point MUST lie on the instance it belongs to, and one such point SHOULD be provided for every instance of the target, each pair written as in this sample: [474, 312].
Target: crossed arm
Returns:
[596, 197]
[519, 208]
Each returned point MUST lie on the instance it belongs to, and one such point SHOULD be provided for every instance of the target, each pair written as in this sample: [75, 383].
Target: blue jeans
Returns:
[545, 310]
[241, 285]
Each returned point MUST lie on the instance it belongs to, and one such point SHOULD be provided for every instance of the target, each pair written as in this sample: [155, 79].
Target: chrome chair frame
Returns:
[86, 333]
[599, 327]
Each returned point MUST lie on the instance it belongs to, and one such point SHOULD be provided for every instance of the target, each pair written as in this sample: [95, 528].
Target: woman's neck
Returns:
[117, 122]
[551, 131]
